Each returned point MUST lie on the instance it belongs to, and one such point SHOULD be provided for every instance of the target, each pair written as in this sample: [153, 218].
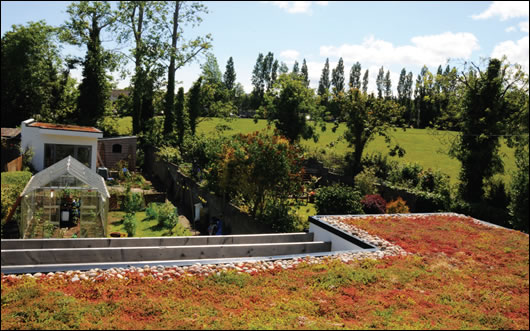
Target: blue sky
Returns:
[389, 34]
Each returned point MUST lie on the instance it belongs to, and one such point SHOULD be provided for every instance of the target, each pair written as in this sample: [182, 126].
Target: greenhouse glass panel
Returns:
[65, 200]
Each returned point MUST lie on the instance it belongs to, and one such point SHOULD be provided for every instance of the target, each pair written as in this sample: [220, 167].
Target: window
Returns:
[116, 148]
[55, 152]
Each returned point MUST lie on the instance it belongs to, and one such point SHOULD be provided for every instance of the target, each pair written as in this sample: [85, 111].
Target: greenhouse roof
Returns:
[67, 166]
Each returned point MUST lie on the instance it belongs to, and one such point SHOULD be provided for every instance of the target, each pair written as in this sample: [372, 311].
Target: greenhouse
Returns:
[65, 200]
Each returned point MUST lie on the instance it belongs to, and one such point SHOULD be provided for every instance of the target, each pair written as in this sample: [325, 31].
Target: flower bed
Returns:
[459, 275]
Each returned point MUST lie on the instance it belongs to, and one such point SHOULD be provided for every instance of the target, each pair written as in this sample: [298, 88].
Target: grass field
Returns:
[423, 146]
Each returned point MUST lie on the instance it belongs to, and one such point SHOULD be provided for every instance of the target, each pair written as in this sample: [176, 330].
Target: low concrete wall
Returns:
[162, 253]
[19, 244]
[340, 240]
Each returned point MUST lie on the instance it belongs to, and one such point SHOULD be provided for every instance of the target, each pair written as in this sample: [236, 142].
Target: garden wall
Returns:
[185, 193]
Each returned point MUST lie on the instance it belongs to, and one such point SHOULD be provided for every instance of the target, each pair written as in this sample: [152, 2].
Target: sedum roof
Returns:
[65, 167]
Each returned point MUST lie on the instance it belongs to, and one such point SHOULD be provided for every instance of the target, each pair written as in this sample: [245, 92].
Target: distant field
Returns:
[423, 146]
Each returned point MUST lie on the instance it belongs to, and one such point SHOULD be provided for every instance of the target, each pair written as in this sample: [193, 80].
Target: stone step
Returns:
[156, 253]
[155, 241]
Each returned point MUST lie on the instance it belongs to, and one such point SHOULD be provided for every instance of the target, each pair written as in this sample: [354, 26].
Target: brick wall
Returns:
[110, 158]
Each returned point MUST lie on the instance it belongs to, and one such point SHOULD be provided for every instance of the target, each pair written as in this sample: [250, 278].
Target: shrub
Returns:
[518, 207]
[168, 216]
[133, 202]
[129, 223]
[366, 181]
[338, 199]
[152, 211]
[280, 217]
[373, 204]
[380, 163]
[398, 206]
[169, 154]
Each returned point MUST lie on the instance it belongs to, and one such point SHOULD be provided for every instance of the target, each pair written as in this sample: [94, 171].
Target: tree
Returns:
[266, 70]
[355, 76]
[30, 64]
[365, 82]
[380, 82]
[184, 13]
[388, 86]
[485, 113]
[84, 27]
[365, 118]
[229, 77]
[424, 98]
[211, 73]
[290, 105]
[258, 168]
[180, 116]
[283, 68]
[304, 73]
[194, 104]
[337, 77]
[401, 86]
[258, 82]
[324, 83]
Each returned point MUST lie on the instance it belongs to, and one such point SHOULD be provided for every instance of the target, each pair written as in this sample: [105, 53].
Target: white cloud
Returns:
[511, 29]
[296, 7]
[290, 54]
[523, 26]
[516, 52]
[431, 50]
[505, 10]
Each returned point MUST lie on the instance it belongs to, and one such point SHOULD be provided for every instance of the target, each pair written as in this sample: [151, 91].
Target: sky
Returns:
[394, 35]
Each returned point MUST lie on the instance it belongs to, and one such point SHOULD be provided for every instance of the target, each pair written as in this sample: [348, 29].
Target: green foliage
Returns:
[431, 188]
[84, 26]
[518, 206]
[13, 184]
[366, 117]
[338, 199]
[366, 181]
[380, 163]
[169, 154]
[31, 82]
[256, 167]
[129, 223]
[167, 217]
[485, 115]
[133, 202]
[115, 126]
[290, 105]
[281, 217]
[229, 77]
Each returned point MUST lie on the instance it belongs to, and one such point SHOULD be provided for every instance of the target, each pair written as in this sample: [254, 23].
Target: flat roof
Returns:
[65, 127]
[10, 132]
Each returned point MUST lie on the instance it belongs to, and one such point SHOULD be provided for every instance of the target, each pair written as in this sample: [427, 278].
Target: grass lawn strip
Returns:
[460, 275]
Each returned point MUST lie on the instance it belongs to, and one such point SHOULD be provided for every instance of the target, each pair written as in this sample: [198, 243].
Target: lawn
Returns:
[144, 227]
[424, 146]
[460, 275]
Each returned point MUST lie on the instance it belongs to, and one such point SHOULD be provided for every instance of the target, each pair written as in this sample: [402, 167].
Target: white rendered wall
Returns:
[337, 243]
[36, 138]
